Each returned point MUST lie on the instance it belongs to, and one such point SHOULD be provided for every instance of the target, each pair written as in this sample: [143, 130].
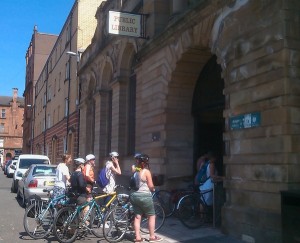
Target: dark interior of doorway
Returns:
[207, 110]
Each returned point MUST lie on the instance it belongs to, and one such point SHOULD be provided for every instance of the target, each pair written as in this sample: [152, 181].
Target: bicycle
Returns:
[119, 220]
[68, 220]
[39, 215]
[192, 210]
[169, 199]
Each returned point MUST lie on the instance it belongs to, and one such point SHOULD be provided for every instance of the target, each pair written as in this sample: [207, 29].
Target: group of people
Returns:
[83, 178]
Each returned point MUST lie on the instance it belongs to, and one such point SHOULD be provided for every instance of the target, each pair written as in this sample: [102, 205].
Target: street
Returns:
[11, 218]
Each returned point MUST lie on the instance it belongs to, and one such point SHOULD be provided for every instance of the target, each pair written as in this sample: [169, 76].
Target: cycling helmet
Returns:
[89, 157]
[79, 161]
[136, 155]
[143, 158]
[113, 154]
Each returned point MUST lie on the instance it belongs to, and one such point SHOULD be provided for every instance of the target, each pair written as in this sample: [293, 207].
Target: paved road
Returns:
[11, 225]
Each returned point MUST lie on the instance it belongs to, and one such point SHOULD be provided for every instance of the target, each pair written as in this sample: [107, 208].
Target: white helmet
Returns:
[89, 157]
[113, 154]
[79, 161]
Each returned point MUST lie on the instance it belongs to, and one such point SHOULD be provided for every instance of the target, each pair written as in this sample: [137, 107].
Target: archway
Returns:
[207, 109]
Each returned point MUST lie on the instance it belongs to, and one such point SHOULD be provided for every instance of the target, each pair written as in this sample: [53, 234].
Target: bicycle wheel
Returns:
[66, 226]
[96, 222]
[116, 223]
[159, 219]
[166, 201]
[191, 211]
[37, 221]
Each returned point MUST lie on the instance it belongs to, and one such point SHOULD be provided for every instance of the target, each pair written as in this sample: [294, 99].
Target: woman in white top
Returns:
[112, 169]
[62, 177]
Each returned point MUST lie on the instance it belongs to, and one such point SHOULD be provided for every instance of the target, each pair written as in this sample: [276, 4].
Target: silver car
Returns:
[11, 168]
[37, 178]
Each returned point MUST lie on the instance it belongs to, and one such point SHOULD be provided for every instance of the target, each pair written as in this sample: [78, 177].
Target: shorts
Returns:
[81, 199]
[58, 191]
[142, 203]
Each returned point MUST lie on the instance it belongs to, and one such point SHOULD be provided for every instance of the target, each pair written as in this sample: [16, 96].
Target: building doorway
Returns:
[207, 110]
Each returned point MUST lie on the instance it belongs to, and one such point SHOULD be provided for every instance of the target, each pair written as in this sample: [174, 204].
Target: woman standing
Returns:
[142, 201]
[112, 169]
[62, 177]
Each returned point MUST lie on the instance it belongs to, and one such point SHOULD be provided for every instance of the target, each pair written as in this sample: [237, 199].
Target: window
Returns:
[66, 107]
[3, 115]
[68, 33]
[131, 115]
[44, 124]
[49, 121]
[45, 98]
[49, 93]
[59, 81]
[67, 76]
[54, 88]
[2, 127]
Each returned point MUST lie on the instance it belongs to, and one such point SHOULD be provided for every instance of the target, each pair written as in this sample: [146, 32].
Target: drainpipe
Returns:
[69, 82]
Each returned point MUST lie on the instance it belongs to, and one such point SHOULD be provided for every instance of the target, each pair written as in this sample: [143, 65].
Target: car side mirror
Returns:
[13, 167]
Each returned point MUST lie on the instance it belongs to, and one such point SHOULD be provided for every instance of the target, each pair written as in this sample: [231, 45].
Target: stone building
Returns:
[55, 112]
[11, 120]
[207, 75]
[37, 53]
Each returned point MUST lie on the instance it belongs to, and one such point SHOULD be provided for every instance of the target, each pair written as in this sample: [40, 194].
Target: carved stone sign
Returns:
[120, 23]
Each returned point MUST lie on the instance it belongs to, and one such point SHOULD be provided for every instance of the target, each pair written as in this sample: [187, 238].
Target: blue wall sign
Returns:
[245, 121]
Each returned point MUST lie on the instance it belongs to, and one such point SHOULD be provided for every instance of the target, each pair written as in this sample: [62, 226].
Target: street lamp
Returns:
[78, 54]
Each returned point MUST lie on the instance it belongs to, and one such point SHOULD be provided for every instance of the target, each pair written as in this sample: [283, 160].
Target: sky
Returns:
[17, 20]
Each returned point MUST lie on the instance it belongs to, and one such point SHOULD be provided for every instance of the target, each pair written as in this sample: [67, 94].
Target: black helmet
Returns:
[137, 155]
[142, 157]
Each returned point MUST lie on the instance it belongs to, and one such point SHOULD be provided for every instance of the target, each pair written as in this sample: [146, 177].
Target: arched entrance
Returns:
[207, 110]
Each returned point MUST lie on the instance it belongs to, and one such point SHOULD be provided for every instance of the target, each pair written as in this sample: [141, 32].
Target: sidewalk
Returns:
[174, 231]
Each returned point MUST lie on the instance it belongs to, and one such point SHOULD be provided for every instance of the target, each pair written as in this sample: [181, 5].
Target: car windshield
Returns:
[25, 163]
[44, 171]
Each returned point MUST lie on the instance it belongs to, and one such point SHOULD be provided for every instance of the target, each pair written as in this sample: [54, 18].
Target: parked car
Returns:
[37, 178]
[23, 163]
[10, 169]
[7, 164]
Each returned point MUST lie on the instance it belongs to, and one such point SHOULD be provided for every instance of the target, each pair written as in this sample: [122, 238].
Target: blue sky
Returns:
[17, 20]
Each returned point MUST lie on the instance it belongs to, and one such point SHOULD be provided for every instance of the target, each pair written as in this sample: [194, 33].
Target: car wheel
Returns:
[13, 187]
[18, 195]
[23, 200]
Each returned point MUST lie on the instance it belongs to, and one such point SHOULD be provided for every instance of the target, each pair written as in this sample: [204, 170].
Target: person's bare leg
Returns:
[137, 225]
[151, 225]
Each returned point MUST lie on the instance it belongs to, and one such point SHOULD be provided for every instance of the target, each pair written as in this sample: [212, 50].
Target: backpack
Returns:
[201, 175]
[102, 180]
[134, 182]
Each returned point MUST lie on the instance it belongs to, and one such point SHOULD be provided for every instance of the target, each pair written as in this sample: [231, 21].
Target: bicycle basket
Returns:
[122, 198]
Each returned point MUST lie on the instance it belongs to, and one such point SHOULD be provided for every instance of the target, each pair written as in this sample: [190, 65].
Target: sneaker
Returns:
[106, 226]
[156, 239]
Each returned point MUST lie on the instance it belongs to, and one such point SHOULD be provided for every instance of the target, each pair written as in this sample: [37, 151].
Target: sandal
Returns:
[141, 240]
[156, 239]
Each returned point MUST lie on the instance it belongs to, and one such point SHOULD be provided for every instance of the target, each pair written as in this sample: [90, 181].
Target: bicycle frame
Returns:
[93, 204]
[50, 204]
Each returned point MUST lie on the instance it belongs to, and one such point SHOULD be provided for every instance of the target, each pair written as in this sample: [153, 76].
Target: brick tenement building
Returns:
[220, 75]
[11, 120]
[55, 112]
[37, 54]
